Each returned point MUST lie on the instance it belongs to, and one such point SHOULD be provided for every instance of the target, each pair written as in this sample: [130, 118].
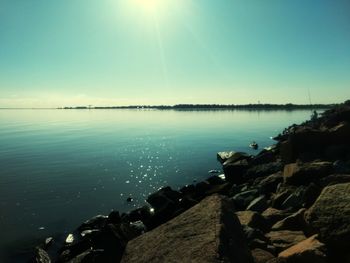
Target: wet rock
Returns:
[140, 214]
[97, 222]
[261, 256]
[330, 216]
[284, 239]
[259, 204]
[163, 198]
[303, 174]
[293, 222]
[273, 215]
[252, 219]
[231, 156]
[41, 256]
[208, 232]
[215, 180]
[309, 250]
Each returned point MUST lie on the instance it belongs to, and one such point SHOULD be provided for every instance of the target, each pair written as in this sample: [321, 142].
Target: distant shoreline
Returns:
[288, 106]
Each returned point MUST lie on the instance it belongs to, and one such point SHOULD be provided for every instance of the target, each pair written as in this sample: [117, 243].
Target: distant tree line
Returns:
[288, 106]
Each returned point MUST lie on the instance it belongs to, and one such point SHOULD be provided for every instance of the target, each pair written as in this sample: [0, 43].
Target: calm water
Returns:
[59, 167]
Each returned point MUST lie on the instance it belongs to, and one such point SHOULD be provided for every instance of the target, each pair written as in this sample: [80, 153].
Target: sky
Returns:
[127, 52]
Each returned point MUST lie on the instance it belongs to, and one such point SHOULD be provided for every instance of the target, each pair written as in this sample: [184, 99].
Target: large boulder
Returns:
[305, 173]
[208, 232]
[309, 250]
[330, 216]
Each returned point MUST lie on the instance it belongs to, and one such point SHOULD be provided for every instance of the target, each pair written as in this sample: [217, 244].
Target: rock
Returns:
[252, 235]
[243, 199]
[309, 250]
[335, 179]
[114, 217]
[302, 174]
[261, 256]
[234, 172]
[278, 198]
[163, 198]
[265, 156]
[270, 183]
[330, 216]
[207, 232]
[295, 200]
[231, 156]
[264, 169]
[258, 204]
[252, 219]
[341, 167]
[188, 190]
[215, 180]
[303, 140]
[273, 215]
[284, 239]
[293, 222]
[41, 256]
[90, 256]
[97, 222]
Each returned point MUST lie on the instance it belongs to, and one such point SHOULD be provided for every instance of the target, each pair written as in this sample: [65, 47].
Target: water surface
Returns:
[60, 167]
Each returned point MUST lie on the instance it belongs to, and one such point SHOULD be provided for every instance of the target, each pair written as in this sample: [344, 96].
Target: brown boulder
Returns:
[309, 250]
[261, 256]
[208, 232]
[284, 239]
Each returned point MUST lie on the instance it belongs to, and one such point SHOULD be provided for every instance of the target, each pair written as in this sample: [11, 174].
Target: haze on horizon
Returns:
[123, 52]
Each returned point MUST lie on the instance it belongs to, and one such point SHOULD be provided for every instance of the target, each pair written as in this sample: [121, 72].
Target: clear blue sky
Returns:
[118, 52]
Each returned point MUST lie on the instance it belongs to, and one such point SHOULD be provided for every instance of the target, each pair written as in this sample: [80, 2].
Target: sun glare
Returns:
[149, 6]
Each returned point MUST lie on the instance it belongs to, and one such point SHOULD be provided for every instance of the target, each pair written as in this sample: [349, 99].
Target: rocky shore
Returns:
[289, 203]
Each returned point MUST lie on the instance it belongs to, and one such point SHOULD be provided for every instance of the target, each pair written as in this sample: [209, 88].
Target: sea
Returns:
[60, 167]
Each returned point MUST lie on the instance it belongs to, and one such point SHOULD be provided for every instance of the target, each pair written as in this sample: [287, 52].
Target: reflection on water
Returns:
[59, 167]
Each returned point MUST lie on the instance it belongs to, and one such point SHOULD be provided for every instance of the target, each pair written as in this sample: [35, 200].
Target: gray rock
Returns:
[330, 216]
[41, 256]
[207, 232]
